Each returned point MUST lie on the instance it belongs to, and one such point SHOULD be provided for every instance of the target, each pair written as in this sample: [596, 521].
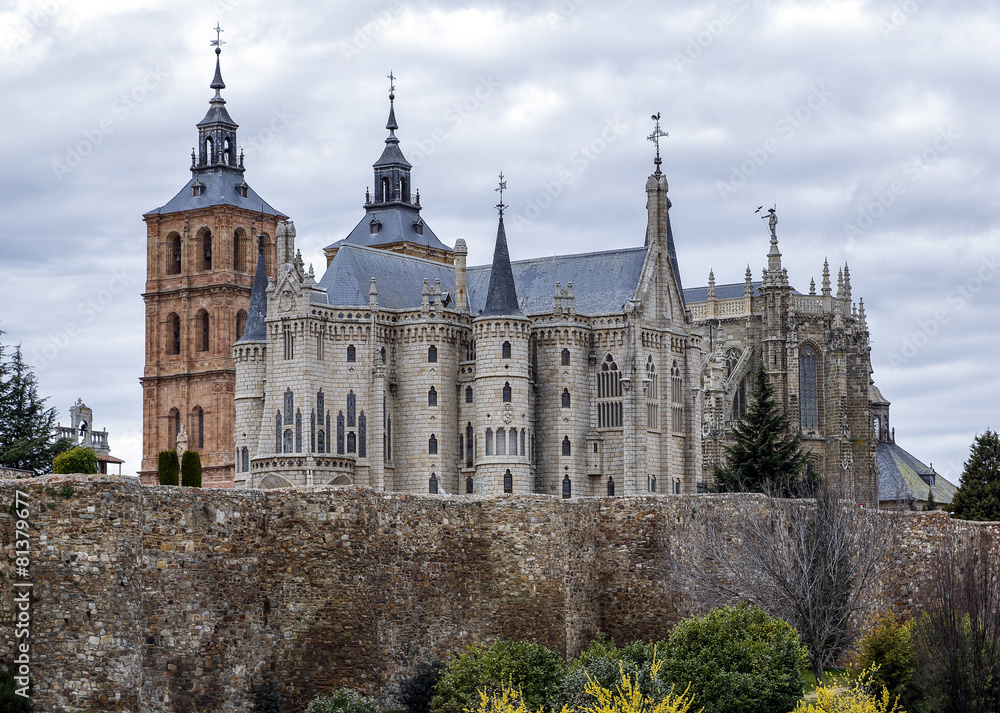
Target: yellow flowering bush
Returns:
[854, 700]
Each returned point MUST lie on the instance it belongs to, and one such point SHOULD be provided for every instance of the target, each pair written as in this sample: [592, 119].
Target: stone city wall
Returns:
[176, 599]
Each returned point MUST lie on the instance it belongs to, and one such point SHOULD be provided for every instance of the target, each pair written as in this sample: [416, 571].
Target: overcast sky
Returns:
[871, 125]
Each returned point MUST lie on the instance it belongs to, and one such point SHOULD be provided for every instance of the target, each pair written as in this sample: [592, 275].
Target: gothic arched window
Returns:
[565, 398]
[505, 350]
[204, 327]
[611, 486]
[512, 449]
[565, 357]
[506, 392]
[173, 254]
[351, 353]
[241, 324]
[609, 394]
[277, 432]
[432, 445]
[362, 435]
[432, 397]
[807, 387]
[433, 485]
[352, 405]
[298, 431]
[206, 250]
[468, 485]
[469, 449]
[567, 487]
[173, 428]
[352, 442]
[508, 482]
[239, 250]
[174, 333]
[289, 406]
[501, 442]
[566, 446]
[432, 354]
[468, 394]
[199, 427]
[340, 433]
[489, 441]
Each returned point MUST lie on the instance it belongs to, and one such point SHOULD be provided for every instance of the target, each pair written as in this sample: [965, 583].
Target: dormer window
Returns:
[197, 188]
[418, 225]
[244, 189]
[374, 225]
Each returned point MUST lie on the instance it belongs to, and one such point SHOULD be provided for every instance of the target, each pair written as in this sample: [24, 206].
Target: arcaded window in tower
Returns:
[432, 445]
[508, 482]
[204, 327]
[506, 392]
[351, 352]
[173, 254]
[565, 398]
[173, 334]
[609, 394]
[206, 250]
[239, 250]
[198, 424]
[505, 350]
[241, 324]
[432, 354]
[807, 387]
[432, 397]
[468, 394]
[565, 357]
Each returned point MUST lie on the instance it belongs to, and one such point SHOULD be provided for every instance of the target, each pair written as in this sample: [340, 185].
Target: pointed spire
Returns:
[391, 124]
[748, 283]
[847, 282]
[826, 278]
[711, 284]
[840, 283]
[255, 330]
[217, 131]
[501, 297]
[812, 285]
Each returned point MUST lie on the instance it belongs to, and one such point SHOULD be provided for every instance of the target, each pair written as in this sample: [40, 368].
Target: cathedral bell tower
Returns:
[199, 271]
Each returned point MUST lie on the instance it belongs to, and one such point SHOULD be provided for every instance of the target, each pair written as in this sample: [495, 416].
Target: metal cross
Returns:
[655, 138]
[392, 82]
[217, 42]
[500, 189]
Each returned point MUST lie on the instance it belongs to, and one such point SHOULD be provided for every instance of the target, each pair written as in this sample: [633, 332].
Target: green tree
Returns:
[889, 652]
[168, 469]
[10, 701]
[27, 429]
[76, 460]
[737, 660]
[191, 469]
[978, 494]
[766, 456]
[530, 667]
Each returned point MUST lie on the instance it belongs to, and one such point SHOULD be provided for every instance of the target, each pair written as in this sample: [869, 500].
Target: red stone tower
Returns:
[200, 258]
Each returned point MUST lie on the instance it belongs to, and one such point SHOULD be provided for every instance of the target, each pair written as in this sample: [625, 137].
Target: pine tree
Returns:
[168, 468]
[765, 455]
[191, 469]
[27, 429]
[978, 494]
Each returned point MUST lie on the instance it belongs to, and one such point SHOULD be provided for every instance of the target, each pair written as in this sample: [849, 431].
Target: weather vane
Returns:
[655, 138]
[392, 85]
[218, 42]
[771, 217]
[500, 189]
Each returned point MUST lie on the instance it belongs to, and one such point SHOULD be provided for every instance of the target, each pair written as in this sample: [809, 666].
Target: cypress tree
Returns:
[191, 469]
[978, 494]
[168, 468]
[765, 456]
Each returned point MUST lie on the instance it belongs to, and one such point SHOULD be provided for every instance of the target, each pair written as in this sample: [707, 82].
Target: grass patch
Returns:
[831, 676]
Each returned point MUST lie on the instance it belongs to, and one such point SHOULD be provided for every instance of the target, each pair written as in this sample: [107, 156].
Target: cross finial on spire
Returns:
[655, 138]
[500, 189]
[218, 42]
[392, 85]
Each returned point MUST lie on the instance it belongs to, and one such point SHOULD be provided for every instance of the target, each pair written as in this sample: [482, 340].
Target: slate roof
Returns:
[722, 292]
[899, 476]
[501, 296]
[397, 225]
[255, 329]
[399, 278]
[602, 281]
[221, 187]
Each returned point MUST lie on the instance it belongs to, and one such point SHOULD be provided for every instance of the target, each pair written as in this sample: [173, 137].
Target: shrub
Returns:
[343, 700]
[75, 460]
[191, 469]
[888, 653]
[10, 702]
[531, 668]
[605, 664]
[417, 689]
[737, 659]
[855, 700]
[168, 468]
[264, 696]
